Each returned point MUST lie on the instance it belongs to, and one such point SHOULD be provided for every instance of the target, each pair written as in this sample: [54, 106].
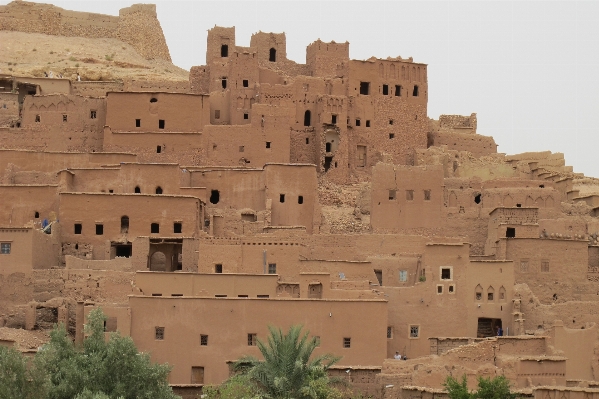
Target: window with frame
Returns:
[414, 331]
[347, 342]
[159, 333]
[5, 248]
[203, 340]
[545, 266]
[524, 266]
[403, 275]
[445, 273]
[410, 195]
[389, 332]
[92, 114]
[272, 268]
[252, 339]
[427, 195]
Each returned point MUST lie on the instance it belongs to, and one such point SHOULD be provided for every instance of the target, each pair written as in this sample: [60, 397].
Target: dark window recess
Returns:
[177, 228]
[36, 215]
[92, 114]
[391, 135]
[358, 122]
[158, 190]
[217, 114]
[272, 55]
[64, 118]
[307, 118]
[203, 340]
[124, 224]
[214, 196]
[124, 251]
[397, 90]
[153, 100]
[445, 274]
[224, 50]
[334, 119]
[477, 198]
[347, 343]
[252, 340]
[99, 229]
[281, 197]
[158, 149]
[268, 144]
[365, 88]
[137, 190]
[78, 228]
[246, 115]
[390, 121]
[327, 147]
[224, 83]
[246, 83]
[37, 118]
[307, 140]
[272, 268]
[385, 90]
[300, 199]
[427, 195]
[510, 232]
[367, 123]
[218, 268]
[327, 163]
[415, 91]
[138, 123]
[159, 333]
[161, 124]
[154, 228]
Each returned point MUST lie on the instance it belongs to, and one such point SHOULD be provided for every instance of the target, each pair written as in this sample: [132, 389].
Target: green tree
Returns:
[18, 379]
[496, 388]
[287, 370]
[457, 389]
[237, 387]
[113, 369]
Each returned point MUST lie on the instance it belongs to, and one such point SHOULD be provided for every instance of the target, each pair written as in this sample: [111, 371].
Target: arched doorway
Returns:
[158, 262]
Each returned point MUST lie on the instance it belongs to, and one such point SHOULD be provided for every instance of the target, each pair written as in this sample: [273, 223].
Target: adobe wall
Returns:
[95, 88]
[9, 109]
[332, 320]
[136, 25]
[23, 201]
[477, 145]
[327, 60]
[578, 345]
[19, 260]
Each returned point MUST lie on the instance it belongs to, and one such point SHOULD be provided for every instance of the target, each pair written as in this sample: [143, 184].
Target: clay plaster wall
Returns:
[23, 201]
[9, 109]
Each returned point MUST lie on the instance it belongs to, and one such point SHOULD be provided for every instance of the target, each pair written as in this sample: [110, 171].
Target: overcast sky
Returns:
[528, 69]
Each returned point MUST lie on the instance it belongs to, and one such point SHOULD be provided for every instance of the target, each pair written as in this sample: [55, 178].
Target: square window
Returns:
[367, 123]
[64, 117]
[392, 195]
[365, 88]
[177, 227]
[99, 229]
[391, 135]
[5, 248]
[161, 124]
[427, 195]
[92, 114]
[217, 114]
[218, 268]
[414, 331]
[403, 275]
[489, 296]
[38, 118]
[347, 342]
[110, 324]
[138, 123]
[204, 340]
[510, 232]
[252, 340]
[409, 195]
[479, 296]
[451, 289]
[154, 228]
[268, 144]
[439, 289]
[78, 228]
[159, 333]
[385, 90]
[272, 268]
[246, 83]
[545, 266]
[389, 332]
[246, 115]
[358, 122]
[445, 273]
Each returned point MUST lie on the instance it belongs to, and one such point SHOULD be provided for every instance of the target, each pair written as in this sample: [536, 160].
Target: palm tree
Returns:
[287, 371]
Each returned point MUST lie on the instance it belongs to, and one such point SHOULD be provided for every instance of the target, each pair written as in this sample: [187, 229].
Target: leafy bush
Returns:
[18, 379]
[496, 388]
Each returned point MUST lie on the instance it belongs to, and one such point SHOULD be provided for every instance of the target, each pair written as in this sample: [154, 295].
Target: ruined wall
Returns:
[136, 25]
[9, 109]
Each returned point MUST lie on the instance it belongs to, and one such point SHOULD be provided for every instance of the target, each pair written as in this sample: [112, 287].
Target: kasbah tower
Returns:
[197, 208]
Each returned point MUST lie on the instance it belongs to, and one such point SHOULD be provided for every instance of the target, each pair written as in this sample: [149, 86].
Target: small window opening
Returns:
[477, 198]
[385, 90]
[37, 118]
[307, 118]
[214, 196]
[427, 195]
[36, 215]
[367, 123]
[365, 88]
[272, 268]
[327, 163]
[397, 90]
[272, 55]
[203, 340]
[445, 274]
[158, 190]
[137, 190]
[217, 114]
[138, 123]
[124, 224]
[542, 186]
[334, 119]
[489, 296]
[392, 195]
[479, 296]
[218, 268]
[510, 232]
[358, 122]
[64, 117]
[99, 229]
[281, 197]
[347, 342]
[159, 333]
[224, 50]
[439, 289]
[328, 147]
[252, 340]
[518, 205]
[391, 135]
[414, 331]
[158, 149]
[177, 227]
[246, 115]
[153, 100]
[300, 199]
[5, 248]
[268, 144]
[451, 289]
[389, 332]
[390, 121]
[78, 228]
[307, 140]
[161, 124]
[223, 82]
[246, 83]
[154, 228]
[92, 114]
[415, 91]
[409, 195]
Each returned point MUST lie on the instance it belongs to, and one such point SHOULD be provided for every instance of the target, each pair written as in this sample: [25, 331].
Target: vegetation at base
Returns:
[287, 371]
[100, 369]
[496, 388]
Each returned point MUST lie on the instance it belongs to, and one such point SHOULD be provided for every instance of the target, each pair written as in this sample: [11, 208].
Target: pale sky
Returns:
[529, 69]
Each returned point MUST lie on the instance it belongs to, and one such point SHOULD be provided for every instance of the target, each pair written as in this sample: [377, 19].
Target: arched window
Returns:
[37, 215]
[158, 190]
[124, 224]
[137, 190]
[307, 118]
[272, 57]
